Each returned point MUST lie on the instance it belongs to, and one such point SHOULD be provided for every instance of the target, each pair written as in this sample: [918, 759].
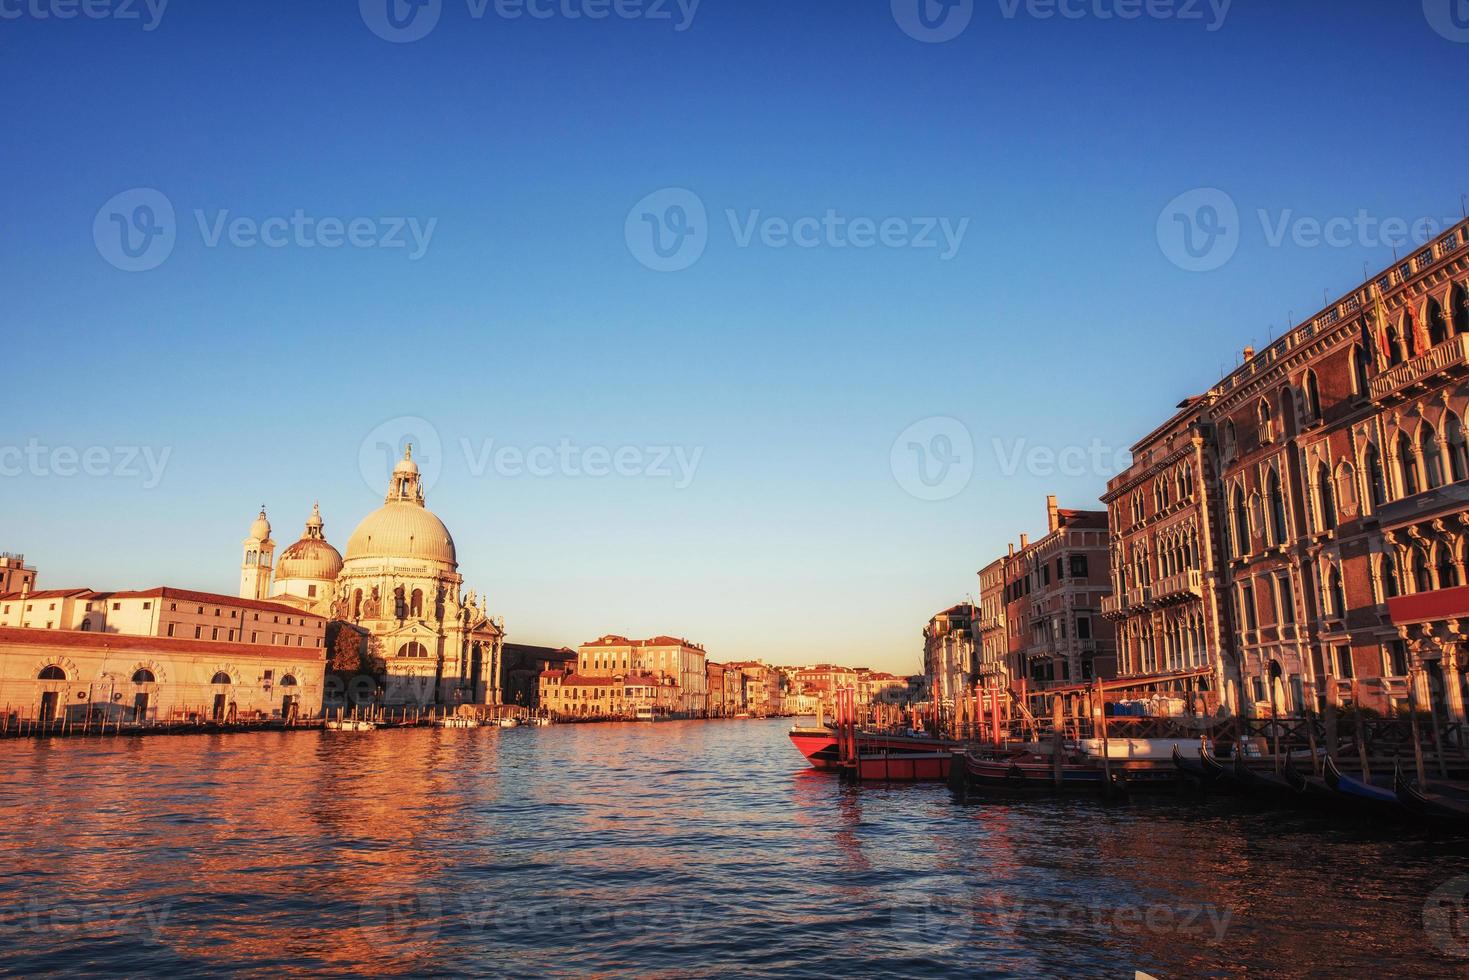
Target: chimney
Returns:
[1053, 519]
[1249, 353]
[1024, 541]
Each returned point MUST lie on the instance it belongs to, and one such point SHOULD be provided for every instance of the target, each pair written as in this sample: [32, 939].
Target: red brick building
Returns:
[1300, 530]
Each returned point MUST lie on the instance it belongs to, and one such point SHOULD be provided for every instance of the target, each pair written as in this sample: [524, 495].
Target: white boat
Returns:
[351, 725]
[540, 722]
[507, 723]
[457, 723]
[645, 714]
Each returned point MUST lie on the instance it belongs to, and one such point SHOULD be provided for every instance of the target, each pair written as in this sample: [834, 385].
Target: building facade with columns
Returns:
[1301, 529]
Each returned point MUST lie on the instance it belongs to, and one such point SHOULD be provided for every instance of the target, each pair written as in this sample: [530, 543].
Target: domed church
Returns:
[400, 583]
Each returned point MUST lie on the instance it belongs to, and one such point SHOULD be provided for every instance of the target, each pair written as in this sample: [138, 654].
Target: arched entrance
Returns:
[145, 681]
[221, 682]
[290, 698]
[52, 681]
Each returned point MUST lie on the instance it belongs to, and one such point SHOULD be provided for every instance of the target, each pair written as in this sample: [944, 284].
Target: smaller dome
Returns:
[311, 557]
[260, 530]
[406, 466]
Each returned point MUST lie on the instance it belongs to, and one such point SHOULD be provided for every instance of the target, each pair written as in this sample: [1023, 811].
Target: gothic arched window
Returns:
[1438, 328]
[1453, 433]
[1376, 482]
[1432, 458]
[1277, 509]
[1359, 370]
[1447, 571]
[1407, 466]
[1241, 525]
[1459, 309]
[1422, 582]
[1311, 392]
[1325, 499]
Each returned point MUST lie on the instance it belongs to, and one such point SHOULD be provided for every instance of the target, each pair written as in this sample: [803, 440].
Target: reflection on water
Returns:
[677, 849]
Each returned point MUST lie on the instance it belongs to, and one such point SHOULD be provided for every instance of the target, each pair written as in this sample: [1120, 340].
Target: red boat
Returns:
[819, 746]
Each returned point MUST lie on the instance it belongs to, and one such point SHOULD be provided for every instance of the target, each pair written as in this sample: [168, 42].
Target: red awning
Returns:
[1424, 607]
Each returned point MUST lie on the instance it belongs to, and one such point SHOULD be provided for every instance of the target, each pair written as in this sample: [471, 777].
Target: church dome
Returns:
[311, 557]
[402, 530]
[403, 527]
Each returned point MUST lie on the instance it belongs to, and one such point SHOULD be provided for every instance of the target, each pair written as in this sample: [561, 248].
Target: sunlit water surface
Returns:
[676, 849]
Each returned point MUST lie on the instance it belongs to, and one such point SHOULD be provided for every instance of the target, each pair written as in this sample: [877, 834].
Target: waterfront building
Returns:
[1056, 585]
[761, 687]
[993, 664]
[523, 665]
[678, 661]
[399, 581]
[1170, 596]
[568, 694]
[57, 674]
[15, 574]
[1318, 553]
[717, 703]
[948, 652]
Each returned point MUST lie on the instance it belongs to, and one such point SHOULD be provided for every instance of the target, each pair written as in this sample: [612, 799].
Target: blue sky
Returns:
[788, 372]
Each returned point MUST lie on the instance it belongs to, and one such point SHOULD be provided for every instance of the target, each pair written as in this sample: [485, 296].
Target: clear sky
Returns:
[534, 308]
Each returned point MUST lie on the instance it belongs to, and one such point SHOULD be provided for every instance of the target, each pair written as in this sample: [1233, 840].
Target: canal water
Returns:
[679, 849]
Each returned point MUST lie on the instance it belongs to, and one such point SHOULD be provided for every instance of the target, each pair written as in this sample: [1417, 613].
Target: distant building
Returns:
[15, 574]
[948, 652]
[671, 660]
[523, 666]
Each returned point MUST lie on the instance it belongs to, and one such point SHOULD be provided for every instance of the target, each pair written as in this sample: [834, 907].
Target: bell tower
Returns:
[259, 553]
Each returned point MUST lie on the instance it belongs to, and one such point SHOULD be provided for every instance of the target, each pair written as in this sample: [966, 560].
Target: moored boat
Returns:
[819, 745]
[1446, 808]
[351, 725]
[1368, 797]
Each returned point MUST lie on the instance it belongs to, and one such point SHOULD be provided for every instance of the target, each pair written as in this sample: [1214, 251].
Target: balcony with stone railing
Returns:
[1122, 604]
[1402, 382]
[1186, 586]
[988, 624]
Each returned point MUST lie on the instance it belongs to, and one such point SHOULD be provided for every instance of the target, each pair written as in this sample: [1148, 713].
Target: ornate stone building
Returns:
[1301, 529]
[400, 582]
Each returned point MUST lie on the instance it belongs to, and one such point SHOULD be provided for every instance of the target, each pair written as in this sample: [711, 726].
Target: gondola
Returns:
[1450, 812]
[1366, 797]
[1265, 785]
[1213, 768]
[1193, 768]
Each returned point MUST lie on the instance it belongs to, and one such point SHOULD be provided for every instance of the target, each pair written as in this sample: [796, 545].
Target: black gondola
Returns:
[1448, 812]
[1266, 785]
[1191, 768]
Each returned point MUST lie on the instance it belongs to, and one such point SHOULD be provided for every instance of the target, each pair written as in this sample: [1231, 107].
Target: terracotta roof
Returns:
[157, 644]
[214, 598]
[46, 594]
